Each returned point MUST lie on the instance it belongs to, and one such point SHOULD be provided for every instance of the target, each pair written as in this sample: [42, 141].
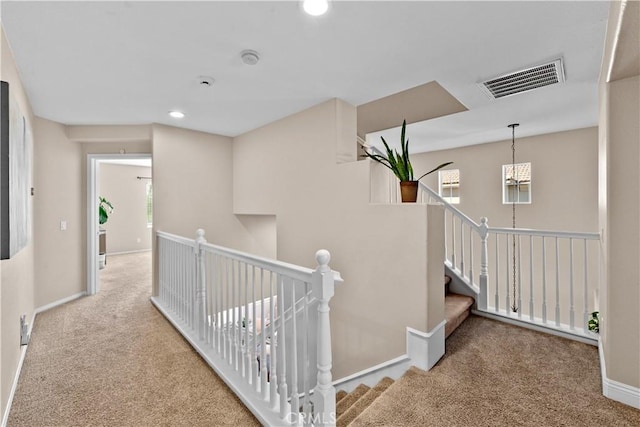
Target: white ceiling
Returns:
[131, 62]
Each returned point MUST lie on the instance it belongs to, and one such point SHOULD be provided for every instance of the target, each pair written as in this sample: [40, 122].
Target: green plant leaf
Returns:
[435, 169]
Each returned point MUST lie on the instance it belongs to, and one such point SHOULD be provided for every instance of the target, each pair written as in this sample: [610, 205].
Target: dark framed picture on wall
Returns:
[16, 144]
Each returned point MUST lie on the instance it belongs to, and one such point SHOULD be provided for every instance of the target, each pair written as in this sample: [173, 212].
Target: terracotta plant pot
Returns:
[409, 191]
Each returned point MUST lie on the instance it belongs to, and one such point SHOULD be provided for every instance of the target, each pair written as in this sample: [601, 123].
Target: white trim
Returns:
[129, 252]
[60, 302]
[14, 385]
[426, 348]
[393, 369]
[93, 284]
[576, 335]
[615, 390]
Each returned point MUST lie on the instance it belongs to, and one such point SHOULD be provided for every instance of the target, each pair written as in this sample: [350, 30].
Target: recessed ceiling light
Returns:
[315, 7]
[176, 114]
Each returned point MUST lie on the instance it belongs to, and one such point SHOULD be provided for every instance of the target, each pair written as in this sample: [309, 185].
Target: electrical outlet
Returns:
[63, 225]
[138, 240]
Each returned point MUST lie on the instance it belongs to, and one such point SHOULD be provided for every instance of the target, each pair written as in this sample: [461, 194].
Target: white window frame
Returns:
[449, 199]
[504, 185]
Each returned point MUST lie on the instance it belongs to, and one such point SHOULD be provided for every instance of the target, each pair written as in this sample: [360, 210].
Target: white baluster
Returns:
[507, 306]
[571, 302]
[282, 351]
[446, 238]
[544, 280]
[453, 241]
[272, 333]
[295, 403]
[306, 406]
[471, 279]
[519, 280]
[324, 396]
[253, 359]
[263, 341]
[484, 264]
[557, 283]
[497, 296]
[200, 285]
[585, 324]
[531, 296]
[462, 248]
[246, 357]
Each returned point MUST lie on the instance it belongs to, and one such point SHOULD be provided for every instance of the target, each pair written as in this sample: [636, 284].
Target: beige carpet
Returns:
[495, 374]
[113, 360]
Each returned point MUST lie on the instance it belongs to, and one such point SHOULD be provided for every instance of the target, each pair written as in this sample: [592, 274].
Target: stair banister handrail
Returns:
[545, 233]
[448, 206]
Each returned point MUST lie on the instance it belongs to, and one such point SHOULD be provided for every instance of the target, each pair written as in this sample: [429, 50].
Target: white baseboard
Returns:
[393, 369]
[59, 302]
[14, 386]
[615, 390]
[23, 350]
[129, 252]
[426, 348]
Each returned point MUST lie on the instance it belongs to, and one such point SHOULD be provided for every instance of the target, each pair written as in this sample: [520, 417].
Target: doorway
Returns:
[139, 177]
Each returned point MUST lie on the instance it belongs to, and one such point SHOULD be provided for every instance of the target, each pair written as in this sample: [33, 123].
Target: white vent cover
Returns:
[524, 80]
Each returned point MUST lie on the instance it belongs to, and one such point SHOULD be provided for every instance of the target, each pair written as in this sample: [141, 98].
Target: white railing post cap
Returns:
[200, 234]
[483, 220]
[323, 257]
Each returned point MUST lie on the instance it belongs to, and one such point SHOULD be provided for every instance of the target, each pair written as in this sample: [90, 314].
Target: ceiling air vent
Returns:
[524, 80]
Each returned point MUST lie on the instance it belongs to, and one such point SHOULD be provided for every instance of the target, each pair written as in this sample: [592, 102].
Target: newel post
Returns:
[484, 264]
[324, 394]
[200, 284]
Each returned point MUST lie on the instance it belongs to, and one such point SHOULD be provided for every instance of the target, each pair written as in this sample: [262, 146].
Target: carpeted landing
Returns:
[493, 374]
[113, 360]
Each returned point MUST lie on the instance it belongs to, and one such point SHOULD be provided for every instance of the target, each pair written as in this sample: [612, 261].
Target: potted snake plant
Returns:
[400, 165]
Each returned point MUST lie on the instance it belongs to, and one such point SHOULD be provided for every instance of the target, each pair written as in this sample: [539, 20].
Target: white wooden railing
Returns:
[262, 325]
[556, 272]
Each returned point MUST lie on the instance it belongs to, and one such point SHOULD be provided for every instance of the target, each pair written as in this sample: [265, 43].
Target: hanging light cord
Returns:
[516, 187]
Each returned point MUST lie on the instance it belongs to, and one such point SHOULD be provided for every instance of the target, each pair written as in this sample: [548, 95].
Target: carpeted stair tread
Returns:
[340, 395]
[350, 399]
[363, 403]
[456, 309]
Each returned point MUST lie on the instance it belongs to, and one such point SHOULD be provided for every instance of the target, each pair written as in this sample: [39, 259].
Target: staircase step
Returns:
[456, 309]
[340, 395]
[351, 398]
[363, 402]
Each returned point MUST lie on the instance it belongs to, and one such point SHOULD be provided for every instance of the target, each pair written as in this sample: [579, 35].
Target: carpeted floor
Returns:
[113, 360]
[495, 374]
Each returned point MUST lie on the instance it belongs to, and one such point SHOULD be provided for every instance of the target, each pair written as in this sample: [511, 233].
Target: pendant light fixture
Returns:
[516, 187]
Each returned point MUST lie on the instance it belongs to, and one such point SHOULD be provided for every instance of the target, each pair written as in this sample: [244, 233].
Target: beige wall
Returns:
[564, 169]
[192, 180]
[289, 168]
[619, 208]
[16, 274]
[58, 182]
[127, 228]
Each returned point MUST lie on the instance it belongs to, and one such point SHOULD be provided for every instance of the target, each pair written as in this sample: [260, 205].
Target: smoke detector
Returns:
[524, 80]
[249, 57]
[206, 81]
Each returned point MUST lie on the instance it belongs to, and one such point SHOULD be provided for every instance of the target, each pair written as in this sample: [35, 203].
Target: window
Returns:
[149, 204]
[449, 185]
[516, 187]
